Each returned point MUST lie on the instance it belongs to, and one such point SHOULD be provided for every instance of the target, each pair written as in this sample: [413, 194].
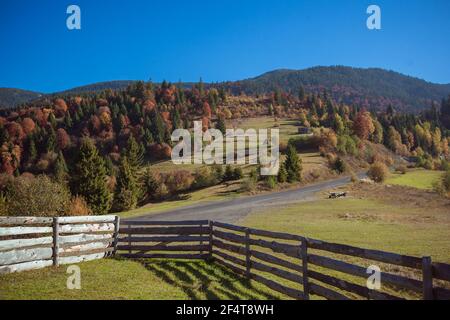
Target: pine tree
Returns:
[157, 128]
[51, 141]
[60, 170]
[32, 151]
[282, 174]
[135, 154]
[127, 188]
[68, 121]
[89, 178]
[4, 136]
[150, 184]
[293, 165]
[176, 119]
[52, 120]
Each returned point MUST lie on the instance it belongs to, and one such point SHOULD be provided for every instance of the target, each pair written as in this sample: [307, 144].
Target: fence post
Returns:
[201, 241]
[210, 223]
[427, 278]
[129, 238]
[116, 234]
[304, 257]
[55, 241]
[247, 253]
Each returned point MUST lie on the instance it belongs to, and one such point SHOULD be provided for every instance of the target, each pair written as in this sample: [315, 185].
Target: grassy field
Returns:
[419, 178]
[120, 279]
[288, 128]
[358, 221]
[365, 223]
[215, 193]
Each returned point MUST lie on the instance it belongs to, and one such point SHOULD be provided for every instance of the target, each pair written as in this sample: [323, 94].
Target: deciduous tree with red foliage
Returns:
[363, 125]
[62, 138]
[28, 125]
[206, 110]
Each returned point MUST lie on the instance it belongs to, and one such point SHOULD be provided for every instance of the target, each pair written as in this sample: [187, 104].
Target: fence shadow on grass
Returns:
[203, 280]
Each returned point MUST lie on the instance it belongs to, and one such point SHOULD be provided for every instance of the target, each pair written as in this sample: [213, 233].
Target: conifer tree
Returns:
[32, 151]
[68, 121]
[89, 178]
[135, 154]
[176, 119]
[150, 184]
[282, 174]
[51, 141]
[293, 165]
[60, 170]
[127, 189]
[4, 136]
[52, 120]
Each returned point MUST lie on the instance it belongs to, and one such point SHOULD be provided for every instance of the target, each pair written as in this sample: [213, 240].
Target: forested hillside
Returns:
[12, 97]
[374, 89]
[94, 146]
[370, 88]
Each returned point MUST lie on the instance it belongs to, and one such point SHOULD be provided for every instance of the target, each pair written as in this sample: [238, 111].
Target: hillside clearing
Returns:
[369, 221]
[419, 178]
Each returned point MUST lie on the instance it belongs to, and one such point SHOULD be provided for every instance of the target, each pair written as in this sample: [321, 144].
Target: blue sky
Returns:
[215, 40]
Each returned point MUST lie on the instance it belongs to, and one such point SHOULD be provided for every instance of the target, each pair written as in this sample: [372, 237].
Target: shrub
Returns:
[282, 174]
[248, 185]
[254, 174]
[204, 178]
[354, 177]
[315, 173]
[3, 206]
[228, 175]
[162, 192]
[378, 172]
[38, 196]
[339, 165]
[271, 182]
[42, 165]
[347, 145]
[401, 169]
[445, 165]
[238, 174]
[443, 185]
[218, 171]
[179, 181]
[446, 180]
[79, 207]
[231, 175]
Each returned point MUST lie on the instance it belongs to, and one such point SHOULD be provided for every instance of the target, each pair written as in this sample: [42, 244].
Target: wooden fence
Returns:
[290, 264]
[163, 239]
[28, 243]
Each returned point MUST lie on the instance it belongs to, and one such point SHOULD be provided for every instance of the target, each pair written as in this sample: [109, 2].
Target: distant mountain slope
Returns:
[10, 97]
[373, 88]
[99, 86]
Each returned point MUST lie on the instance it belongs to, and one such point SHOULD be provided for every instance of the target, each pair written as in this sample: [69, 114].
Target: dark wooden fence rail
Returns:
[162, 239]
[296, 260]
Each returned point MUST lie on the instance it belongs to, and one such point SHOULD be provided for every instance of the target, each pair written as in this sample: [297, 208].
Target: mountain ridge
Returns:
[374, 88]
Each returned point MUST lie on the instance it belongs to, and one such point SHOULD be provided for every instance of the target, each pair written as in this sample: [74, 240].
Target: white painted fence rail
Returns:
[28, 243]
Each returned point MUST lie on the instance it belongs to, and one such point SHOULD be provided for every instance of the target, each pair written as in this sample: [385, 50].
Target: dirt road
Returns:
[232, 211]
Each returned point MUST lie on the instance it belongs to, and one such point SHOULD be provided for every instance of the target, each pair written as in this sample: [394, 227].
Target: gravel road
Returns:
[231, 211]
